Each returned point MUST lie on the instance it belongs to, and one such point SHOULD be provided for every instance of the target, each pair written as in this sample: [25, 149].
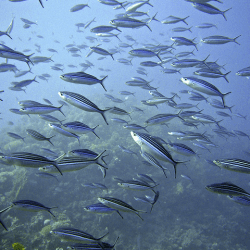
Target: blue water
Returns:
[186, 215]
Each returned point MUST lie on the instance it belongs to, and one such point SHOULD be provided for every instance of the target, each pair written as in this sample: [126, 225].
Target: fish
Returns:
[46, 176]
[227, 188]
[93, 246]
[101, 209]
[219, 40]
[184, 41]
[50, 118]
[32, 206]
[236, 165]
[40, 109]
[210, 9]
[36, 135]
[206, 26]
[75, 235]
[70, 164]
[78, 128]
[151, 146]
[243, 200]
[144, 53]
[59, 129]
[100, 51]
[119, 205]
[78, 7]
[134, 127]
[181, 149]
[103, 29]
[150, 159]
[174, 19]
[15, 136]
[82, 102]
[203, 86]
[136, 5]
[25, 159]
[136, 185]
[128, 151]
[162, 118]
[128, 22]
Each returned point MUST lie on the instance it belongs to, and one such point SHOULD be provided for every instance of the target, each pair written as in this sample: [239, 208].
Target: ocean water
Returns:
[186, 216]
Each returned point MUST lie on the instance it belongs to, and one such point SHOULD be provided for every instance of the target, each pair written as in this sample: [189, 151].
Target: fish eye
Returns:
[185, 79]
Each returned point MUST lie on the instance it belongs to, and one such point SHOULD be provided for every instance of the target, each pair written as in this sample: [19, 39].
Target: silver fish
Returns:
[82, 102]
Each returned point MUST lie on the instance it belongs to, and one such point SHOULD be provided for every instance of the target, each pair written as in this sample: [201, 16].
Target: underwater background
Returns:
[186, 216]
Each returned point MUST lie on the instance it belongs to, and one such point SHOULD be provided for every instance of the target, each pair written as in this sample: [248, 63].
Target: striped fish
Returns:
[119, 205]
[39, 136]
[227, 188]
[243, 200]
[181, 149]
[149, 158]
[236, 165]
[75, 235]
[210, 9]
[50, 118]
[78, 128]
[57, 128]
[82, 78]
[203, 86]
[69, 164]
[151, 146]
[24, 159]
[162, 118]
[101, 209]
[136, 185]
[32, 206]
[81, 102]
[40, 109]
[93, 246]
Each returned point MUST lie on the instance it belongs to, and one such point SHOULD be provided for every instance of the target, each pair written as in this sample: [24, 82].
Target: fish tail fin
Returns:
[190, 29]
[236, 38]
[93, 130]
[122, 4]
[217, 122]
[104, 79]
[1, 223]
[103, 115]
[51, 212]
[148, 27]
[34, 80]
[223, 95]
[158, 55]
[184, 20]
[230, 108]
[153, 18]
[55, 165]
[120, 215]
[112, 56]
[99, 239]
[60, 109]
[147, 2]
[223, 13]
[179, 115]
[225, 76]
[50, 141]
[118, 37]
[40, 1]
[97, 158]
[175, 165]
[204, 61]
